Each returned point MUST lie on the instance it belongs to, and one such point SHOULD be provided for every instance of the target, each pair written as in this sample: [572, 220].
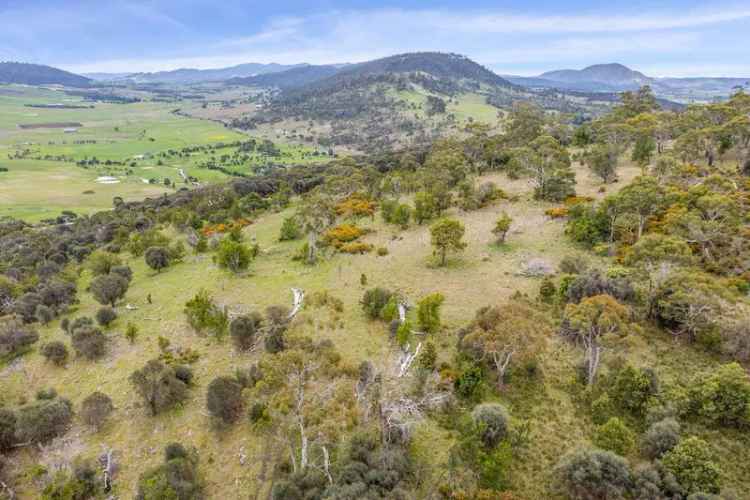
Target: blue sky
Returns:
[667, 38]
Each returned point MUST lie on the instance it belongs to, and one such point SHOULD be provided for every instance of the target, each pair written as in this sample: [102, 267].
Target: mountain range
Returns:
[36, 74]
[615, 77]
[191, 75]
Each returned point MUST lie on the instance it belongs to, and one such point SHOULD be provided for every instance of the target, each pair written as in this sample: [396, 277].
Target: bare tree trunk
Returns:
[327, 465]
[312, 241]
[501, 365]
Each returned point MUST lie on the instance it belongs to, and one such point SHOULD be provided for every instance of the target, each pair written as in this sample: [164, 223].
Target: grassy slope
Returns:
[483, 275]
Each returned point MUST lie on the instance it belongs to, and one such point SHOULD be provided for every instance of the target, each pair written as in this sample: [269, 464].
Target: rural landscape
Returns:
[404, 277]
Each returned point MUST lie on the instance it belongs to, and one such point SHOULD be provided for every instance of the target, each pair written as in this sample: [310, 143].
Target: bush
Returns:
[15, 338]
[244, 329]
[108, 289]
[82, 484]
[55, 352]
[233, 255]
[632, 389]
[428, 312]
[723, 396]
[594, 474]
[105, 316]
[159, 386]
[691, 463]
[44, 314]
[224, 399]
[7, 429]
[660, 438]
[492, 421]
[202, 314]
[131, 332]
[157, 258]
[290, 230]
[89, 342]
[43, 420]
[123, 272]
[101, 263]
[177, 478]
[95, 409]
[614, 436]
[374, 300]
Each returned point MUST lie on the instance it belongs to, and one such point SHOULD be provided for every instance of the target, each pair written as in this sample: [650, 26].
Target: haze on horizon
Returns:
[672, 38]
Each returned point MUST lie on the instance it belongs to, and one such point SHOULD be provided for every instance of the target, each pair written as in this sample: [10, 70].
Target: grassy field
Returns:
[131, 134]
[484, 274]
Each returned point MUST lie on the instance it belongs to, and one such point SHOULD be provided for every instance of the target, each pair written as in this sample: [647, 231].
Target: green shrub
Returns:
[290, 230]
[594, 474]
[177, 478]
[203, 315]
[614, 436]
[660, 437]
[723, 396]
[244, 330]
[428, 312]
[692, 465]
[233, 255]
[105, 316]
[96, 408]
[82, 484]
[43, 420]
[159, 386]
[632, 389]
[492, 421]
[374, 300]
[55, 352]
[89, 342]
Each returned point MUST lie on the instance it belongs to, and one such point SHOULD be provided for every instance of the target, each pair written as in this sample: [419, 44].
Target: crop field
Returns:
[125, 140]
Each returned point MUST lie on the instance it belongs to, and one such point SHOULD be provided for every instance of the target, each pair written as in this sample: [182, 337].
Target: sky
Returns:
[665, 38]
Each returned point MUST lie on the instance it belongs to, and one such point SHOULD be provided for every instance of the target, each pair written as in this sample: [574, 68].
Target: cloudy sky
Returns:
[670, 37]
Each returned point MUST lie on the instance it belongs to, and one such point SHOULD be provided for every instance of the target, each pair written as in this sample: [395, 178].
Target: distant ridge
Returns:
[610, 74]
[189, 75]
[290, 78]
[37, 74]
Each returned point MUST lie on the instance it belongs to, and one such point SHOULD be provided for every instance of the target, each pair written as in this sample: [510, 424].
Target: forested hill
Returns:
[36, 74]
[291, 78]
[453, 69]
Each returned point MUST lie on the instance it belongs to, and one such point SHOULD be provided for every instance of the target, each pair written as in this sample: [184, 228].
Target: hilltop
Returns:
[37, 74]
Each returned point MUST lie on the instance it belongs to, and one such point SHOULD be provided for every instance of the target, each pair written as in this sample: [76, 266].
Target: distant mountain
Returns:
[36, 74]
[188, 75]
[290, 78]
[106, 77]
[536, 82]
[610, 74]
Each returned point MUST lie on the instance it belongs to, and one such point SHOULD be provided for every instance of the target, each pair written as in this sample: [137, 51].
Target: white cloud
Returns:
[503, 40]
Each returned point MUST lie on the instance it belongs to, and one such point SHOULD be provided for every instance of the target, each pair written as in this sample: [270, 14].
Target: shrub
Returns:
[82, 484]
[224, 399]
[356, 248]
[101, 263]
[203, 315]
[374, 300]
[109, 288]
[89, 342]
[428, 357]
[233, 255]
[15, 338]
[157, 258]
[177, 478]
[244, 329]
[290, 230]
[492, 421]
[159, 386]
[723, 396]
[131, 332]
[632, 390]
[43, 420]
[95, 409]
[614, 436]
[691, 463]
[123, 272]
[49, 393]
[660, 438]
[105, 316]
[55, 352]
[594, 474]
[382, 251]
[428, 312]
[7, 429]
[602, 409]
[44, 314]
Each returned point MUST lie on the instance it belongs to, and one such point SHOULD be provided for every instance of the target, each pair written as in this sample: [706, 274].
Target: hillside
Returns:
[36, 74]
[290, 78]
[383, 103]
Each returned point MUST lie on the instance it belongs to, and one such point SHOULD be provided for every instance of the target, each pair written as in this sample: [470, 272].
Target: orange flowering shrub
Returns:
[356, 247]
[557, 212]
[343, 233]
[575, 200]
[222, 228]
[356, 205]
